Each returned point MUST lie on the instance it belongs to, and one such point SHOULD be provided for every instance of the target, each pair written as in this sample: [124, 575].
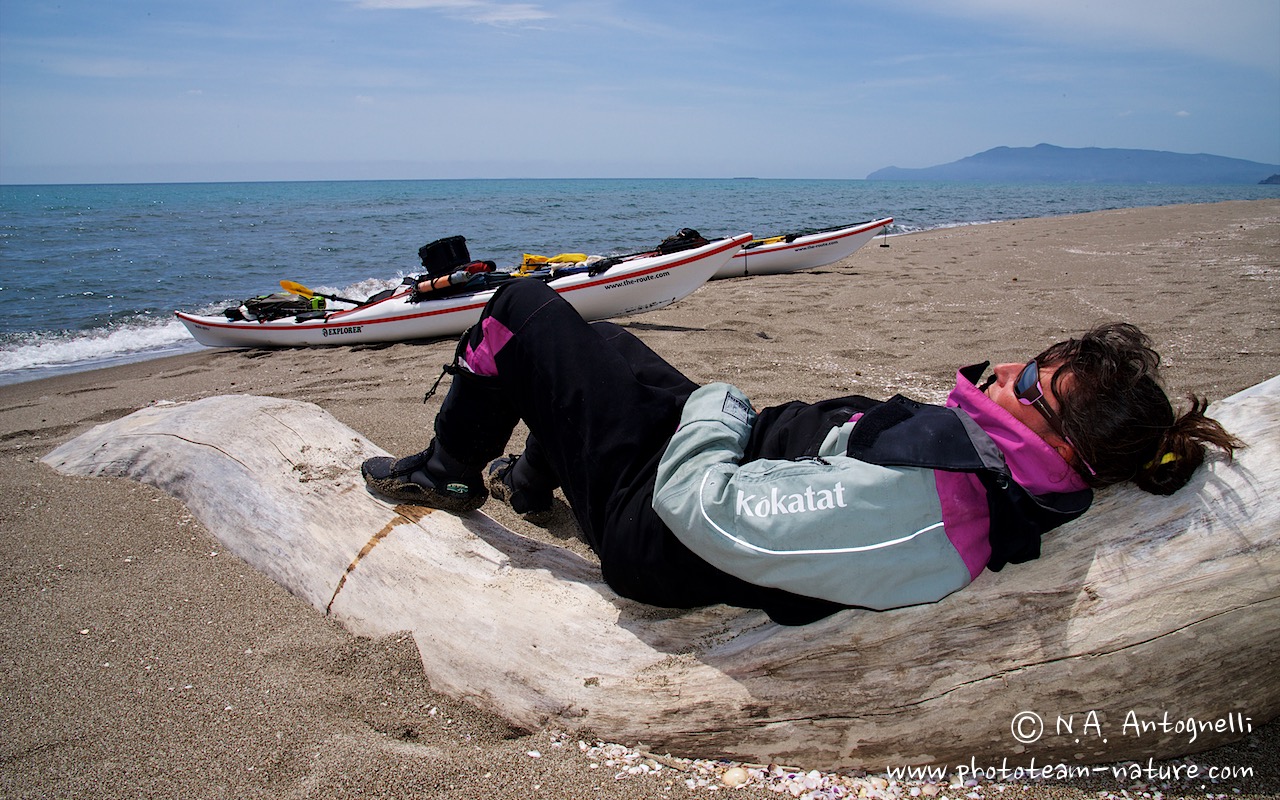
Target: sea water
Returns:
[91, 275]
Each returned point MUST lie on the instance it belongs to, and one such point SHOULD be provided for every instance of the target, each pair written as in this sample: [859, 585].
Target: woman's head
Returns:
[1113, 413]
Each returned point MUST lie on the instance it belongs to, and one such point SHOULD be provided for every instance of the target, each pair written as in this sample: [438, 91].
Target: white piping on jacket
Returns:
[816, 552]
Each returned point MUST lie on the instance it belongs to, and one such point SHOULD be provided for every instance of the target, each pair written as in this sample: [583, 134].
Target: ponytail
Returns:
[1182, 450]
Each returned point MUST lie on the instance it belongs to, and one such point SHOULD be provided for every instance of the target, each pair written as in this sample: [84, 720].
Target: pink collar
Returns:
[1035, 465]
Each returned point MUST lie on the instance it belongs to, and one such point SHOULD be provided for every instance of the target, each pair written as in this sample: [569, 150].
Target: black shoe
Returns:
[534, 507]
[408, 481]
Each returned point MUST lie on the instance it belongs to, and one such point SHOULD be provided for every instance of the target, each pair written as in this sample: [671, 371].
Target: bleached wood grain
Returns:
[1144, 607]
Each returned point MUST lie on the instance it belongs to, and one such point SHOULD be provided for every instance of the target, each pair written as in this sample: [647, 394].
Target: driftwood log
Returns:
[1149, 628]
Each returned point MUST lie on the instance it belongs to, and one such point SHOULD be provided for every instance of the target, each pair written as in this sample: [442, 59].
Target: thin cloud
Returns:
[481, 11]
[105, 67]
[1242, 32]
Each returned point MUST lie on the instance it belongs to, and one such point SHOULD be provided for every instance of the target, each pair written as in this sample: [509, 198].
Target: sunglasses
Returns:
[1029, 392]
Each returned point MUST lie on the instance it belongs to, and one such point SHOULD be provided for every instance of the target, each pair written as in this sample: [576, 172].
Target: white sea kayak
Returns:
[639, 284]
[780, 254]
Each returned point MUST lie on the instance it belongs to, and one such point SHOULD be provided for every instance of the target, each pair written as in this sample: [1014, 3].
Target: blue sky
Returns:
[176, 90]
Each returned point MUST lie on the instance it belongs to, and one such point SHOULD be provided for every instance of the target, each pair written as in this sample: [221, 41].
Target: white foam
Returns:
[40, 355]
[365, 288]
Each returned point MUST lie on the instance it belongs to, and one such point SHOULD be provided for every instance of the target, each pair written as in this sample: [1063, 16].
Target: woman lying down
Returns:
[692, 497]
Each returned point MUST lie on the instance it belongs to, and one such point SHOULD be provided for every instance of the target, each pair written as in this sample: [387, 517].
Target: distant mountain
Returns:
[1046, 163]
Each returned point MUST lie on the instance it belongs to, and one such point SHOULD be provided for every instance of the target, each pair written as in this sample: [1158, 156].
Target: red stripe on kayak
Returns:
[295, 326]
[880, 223]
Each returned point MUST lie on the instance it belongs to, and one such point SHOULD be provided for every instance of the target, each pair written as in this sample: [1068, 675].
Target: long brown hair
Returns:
[1118, 416]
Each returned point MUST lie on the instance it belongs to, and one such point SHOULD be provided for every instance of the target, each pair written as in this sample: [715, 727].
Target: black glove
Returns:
[412, 282]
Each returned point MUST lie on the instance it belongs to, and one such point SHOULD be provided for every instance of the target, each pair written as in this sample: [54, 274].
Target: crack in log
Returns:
[405, 515]
[289, 428]
[1001, 674]
[190, 441]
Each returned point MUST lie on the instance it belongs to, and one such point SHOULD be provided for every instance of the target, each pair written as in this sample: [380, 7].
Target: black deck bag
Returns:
[683, 239]
[274, 306]
[444, 255]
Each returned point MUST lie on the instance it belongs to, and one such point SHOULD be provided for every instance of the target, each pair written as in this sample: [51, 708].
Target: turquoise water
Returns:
[91, 275]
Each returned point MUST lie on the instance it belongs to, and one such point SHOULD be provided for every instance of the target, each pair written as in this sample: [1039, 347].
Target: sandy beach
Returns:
[141, 660]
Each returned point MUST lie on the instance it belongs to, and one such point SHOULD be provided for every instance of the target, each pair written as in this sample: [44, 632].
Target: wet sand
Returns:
[140, 660]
